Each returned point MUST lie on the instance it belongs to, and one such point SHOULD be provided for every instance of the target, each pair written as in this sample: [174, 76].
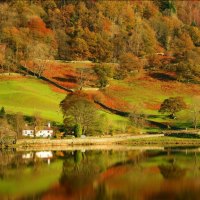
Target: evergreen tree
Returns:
[2, 112]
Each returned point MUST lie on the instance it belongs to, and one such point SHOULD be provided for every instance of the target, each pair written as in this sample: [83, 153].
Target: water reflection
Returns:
[172, 170]
[150, 174]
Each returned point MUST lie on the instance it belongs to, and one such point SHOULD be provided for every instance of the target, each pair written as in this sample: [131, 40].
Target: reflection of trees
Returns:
[78, 170]
[172, 171]
[84, 168]
[8, 160]
[102, 192]
[12, 163]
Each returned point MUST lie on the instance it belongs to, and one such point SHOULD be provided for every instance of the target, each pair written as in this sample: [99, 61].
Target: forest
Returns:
[121, 40]
[102, 31]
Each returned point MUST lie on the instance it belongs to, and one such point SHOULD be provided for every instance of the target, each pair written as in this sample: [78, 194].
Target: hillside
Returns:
[143, 93]
[124, 56]
[30, 96]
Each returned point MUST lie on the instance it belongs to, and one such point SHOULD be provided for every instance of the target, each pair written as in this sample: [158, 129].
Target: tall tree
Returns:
[79, 111]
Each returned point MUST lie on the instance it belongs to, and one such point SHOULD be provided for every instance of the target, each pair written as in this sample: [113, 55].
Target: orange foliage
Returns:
[58, 90]
[36, 24]
[151, 106]
[113, 102]
[107, 25]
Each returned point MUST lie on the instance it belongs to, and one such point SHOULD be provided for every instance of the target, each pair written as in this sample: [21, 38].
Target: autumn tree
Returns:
[18, 123]
[103, 72]
[137, 117]
[128, 64]
[172, 105]
[154, 62]
[40, 54]
[194, 34]
[79, 112]
[187, 67]
[5, 127]
[83, 75]
[38, 122]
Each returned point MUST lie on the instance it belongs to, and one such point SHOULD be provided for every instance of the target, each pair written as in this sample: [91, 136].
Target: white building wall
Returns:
[44, 133]
[29, 133]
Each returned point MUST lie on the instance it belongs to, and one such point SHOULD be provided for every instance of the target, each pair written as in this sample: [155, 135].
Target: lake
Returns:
[162, 173]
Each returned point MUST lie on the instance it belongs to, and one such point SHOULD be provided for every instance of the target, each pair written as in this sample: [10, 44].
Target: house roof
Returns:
[37, 128]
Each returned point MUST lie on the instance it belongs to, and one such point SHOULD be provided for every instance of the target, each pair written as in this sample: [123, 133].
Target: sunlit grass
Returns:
[30, 96]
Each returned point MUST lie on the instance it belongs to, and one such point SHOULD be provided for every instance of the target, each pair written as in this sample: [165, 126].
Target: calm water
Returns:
[134, 174]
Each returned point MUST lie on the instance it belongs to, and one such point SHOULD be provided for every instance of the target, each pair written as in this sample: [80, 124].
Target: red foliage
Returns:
[118, 88]
[113, 102]
[107, 25]
[37, 25]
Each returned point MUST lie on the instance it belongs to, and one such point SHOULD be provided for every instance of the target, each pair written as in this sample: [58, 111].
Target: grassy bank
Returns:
[127, 140]
[164, 141]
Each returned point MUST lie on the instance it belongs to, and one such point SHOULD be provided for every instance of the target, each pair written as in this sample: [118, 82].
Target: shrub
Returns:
[78, 130]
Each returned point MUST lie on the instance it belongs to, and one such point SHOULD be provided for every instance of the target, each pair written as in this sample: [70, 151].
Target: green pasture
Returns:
[30, 96]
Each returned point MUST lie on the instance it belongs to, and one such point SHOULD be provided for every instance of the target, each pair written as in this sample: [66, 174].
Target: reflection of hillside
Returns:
[84, 176]
[172, 190]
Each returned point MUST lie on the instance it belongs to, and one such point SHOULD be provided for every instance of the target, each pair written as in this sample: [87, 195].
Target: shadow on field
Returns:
[68, 78]
[162, 76]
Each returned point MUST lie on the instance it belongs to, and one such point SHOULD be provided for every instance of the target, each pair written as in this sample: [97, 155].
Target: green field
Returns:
[30, 96]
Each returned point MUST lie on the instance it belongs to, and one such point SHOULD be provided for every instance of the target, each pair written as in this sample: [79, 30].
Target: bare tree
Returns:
[195, 109]
[40, 54]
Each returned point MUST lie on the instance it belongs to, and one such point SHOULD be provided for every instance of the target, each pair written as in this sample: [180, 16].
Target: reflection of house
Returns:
[44, 154]
[27, 155]
[44, 132]
[39, 154]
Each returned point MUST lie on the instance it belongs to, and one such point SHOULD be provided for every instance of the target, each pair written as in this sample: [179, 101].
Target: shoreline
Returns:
[105, 140]
[125, 142]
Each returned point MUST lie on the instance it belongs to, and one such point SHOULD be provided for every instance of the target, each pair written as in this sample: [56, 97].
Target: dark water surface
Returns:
[104, 174]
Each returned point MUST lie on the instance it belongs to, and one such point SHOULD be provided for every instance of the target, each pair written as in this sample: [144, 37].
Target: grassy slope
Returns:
[148, 93]
[145, 92]
[29, 96]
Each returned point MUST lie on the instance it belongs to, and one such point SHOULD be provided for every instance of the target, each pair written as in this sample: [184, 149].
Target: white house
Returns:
[39, 132]
[28, 133]
[44, 133]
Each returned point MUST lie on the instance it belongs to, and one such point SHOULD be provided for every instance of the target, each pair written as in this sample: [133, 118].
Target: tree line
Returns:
[130, 33]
